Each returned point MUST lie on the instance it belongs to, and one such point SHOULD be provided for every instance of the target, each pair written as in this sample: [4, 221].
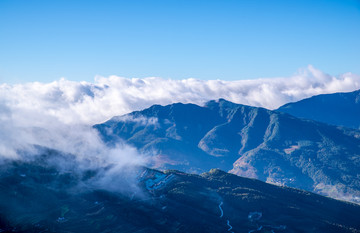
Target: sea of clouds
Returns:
[59, 115]
[70, 102]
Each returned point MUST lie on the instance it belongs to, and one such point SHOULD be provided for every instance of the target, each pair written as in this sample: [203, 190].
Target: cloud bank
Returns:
[59, 114]
[90, 103]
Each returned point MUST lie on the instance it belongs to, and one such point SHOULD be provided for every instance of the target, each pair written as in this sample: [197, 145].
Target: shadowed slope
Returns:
[342, 109]
[249, 141]
[37, 197]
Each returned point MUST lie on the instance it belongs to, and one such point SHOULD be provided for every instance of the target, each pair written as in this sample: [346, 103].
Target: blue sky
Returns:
[230, 40]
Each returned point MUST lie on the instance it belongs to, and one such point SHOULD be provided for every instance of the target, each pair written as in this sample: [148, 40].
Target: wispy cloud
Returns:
[28, 133]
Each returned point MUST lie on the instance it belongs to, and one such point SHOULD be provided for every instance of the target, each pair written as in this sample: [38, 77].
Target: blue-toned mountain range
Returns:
[37, 196]
[248, 141]
[342, 109]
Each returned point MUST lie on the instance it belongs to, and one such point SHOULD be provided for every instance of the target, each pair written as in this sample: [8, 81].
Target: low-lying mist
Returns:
[34, 138]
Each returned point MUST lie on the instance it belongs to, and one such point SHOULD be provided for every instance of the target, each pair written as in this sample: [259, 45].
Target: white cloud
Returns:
[25, 133]
[90, 103]
[58, 114]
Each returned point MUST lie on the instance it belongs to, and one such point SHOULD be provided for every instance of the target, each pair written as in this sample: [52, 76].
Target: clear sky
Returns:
[225, 39]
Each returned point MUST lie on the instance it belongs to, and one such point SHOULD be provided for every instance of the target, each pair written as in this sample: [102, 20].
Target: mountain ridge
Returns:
[248, 141]
[341, 109]
[37, 197]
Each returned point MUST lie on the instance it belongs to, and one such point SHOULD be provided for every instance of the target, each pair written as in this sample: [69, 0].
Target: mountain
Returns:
[342, 109]
[253, 142]
[38, 196]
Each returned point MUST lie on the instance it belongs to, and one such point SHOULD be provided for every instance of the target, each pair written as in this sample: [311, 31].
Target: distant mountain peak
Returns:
[341, 109]
[248, 141]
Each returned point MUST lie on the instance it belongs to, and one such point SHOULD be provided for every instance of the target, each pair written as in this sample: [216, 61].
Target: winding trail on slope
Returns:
[222, 214]
[230, 227]
[259, 229]
[281, 227]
